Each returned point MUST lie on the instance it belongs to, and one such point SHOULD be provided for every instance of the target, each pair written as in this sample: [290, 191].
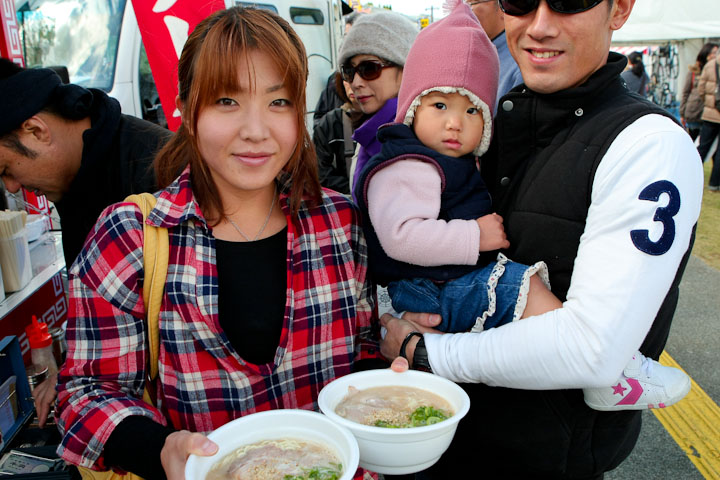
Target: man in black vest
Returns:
[606, 189]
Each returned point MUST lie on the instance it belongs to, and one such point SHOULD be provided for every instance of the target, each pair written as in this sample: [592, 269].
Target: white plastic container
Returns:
[15, 261]
[36, 225]
[43, 253]
[2, 286]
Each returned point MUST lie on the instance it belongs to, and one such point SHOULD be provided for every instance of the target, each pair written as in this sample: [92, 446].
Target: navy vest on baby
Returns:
[464, 196]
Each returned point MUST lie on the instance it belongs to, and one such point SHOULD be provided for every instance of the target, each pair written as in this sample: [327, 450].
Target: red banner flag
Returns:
[164, 26]
[10, 46]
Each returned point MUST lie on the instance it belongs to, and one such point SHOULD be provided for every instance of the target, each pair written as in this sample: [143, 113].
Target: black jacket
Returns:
[329, 141]
[545, 154]
[328, 101]
[118, 151]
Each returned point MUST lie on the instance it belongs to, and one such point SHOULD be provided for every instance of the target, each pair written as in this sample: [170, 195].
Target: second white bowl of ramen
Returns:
[397, 451]
[290, 430]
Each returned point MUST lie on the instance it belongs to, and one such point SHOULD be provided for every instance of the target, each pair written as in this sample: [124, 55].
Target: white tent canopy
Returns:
[688, 24]
[659, 21]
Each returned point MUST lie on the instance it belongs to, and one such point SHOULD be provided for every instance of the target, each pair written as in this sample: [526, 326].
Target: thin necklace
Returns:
[262, 229]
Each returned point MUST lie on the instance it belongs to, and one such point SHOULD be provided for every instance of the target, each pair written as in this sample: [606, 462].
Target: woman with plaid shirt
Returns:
[266, 299]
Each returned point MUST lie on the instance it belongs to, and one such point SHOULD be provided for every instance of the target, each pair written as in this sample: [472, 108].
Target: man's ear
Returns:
[621, 10]
[35, 129]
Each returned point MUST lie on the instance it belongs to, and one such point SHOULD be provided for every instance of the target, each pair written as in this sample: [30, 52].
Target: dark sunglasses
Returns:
[518, 8]
[367, 69]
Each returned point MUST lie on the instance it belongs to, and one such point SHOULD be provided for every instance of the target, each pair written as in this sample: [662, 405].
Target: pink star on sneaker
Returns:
[619, 389]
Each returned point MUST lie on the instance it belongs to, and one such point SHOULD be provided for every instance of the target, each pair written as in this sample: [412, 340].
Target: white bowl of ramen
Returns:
[273, 442]
[396, 451]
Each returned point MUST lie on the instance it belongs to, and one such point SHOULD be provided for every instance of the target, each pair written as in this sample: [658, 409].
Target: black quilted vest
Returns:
[549, 147]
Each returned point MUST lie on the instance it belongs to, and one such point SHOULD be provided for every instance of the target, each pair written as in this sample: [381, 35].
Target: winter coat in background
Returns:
[334, 151]
[706, 89]
[636, 84]
[691, 106]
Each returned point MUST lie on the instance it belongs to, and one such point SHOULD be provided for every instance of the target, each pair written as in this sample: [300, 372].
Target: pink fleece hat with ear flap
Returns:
[452, 55]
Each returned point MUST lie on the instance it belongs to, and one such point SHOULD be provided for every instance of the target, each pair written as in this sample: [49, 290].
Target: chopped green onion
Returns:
[334, 472]
[420, 417]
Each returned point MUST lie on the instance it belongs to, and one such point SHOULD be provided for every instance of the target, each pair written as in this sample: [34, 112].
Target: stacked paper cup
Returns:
[14, 252]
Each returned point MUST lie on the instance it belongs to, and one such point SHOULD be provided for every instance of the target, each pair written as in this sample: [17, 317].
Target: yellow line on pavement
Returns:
[694, 423]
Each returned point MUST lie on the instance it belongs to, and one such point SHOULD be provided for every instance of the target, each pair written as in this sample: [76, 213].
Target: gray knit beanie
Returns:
[387, 35]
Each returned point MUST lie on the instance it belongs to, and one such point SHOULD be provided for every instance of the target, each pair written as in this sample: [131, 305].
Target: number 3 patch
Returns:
[640, 238]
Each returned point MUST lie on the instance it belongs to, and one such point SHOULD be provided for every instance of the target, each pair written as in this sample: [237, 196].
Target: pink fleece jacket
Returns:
[404, 202]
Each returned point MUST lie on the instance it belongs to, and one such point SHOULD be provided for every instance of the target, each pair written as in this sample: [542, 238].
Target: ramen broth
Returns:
[393, 406]
[277, 460]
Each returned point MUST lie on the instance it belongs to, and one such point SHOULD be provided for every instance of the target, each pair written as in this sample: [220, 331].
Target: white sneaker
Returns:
[644, 384]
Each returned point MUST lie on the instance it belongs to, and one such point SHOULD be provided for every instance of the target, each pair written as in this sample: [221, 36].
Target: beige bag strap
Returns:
[348, 143]
[155, 262]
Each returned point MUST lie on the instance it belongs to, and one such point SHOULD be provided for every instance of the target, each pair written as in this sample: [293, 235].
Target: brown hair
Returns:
[702, 55]
[209, 63]
[340, 88]
[12, 141]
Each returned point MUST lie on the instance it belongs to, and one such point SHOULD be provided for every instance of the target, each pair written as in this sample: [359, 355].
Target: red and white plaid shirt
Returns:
[203, 383]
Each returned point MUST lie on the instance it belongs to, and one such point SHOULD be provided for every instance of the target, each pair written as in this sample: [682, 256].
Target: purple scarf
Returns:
[366, 136]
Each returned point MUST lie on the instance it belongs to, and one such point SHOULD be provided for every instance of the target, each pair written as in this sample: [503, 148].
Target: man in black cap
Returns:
[72, 145]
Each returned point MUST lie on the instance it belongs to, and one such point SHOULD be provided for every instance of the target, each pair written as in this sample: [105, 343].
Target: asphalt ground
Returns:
[694, 344]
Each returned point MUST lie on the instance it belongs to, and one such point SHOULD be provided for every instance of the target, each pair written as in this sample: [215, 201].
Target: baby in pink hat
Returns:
[429, 223]
[429, 215]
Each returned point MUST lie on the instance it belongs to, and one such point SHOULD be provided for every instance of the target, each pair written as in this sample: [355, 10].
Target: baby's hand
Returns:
[492, 233]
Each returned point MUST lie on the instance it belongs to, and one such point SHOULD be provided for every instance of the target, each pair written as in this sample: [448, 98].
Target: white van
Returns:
[100, 44]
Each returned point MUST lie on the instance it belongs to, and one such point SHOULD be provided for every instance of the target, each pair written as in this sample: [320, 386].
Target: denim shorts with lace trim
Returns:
[485, 298]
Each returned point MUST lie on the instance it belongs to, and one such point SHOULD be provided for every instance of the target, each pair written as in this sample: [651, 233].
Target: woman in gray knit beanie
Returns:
[371, 60]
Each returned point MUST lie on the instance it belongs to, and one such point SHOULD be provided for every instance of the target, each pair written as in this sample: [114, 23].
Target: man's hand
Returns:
[492, 233]
[398, 329]
[44, 395]
[179, 446]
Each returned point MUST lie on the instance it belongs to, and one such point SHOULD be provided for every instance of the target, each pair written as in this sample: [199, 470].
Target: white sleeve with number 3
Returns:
[646, 199]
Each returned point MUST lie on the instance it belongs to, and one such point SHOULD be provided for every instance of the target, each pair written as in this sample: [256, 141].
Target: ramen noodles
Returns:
[282, 459]
[394, 407]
